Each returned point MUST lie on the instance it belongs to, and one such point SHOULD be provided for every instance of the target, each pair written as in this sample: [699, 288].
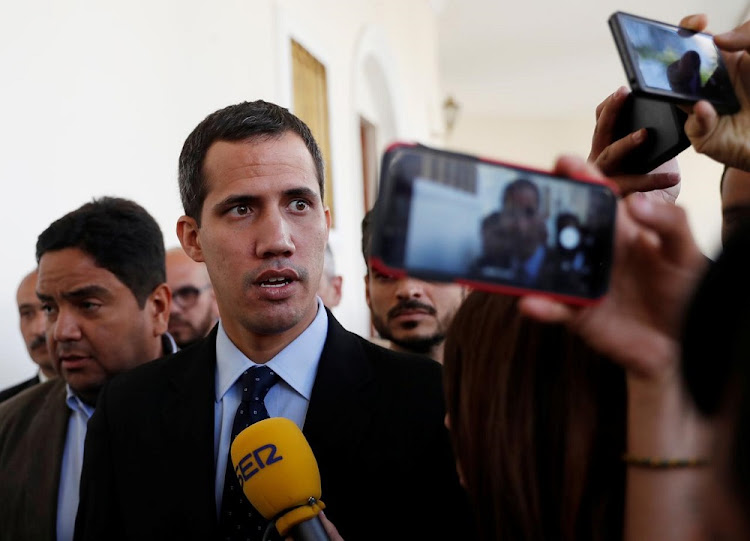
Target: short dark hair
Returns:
[519, 184]
[120, 235]
[367, 237]
[244, 121]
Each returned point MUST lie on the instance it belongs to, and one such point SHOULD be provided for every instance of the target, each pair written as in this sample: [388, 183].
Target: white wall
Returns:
[98, 97]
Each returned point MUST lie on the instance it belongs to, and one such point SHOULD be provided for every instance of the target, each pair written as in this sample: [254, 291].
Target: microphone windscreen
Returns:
[275, 466]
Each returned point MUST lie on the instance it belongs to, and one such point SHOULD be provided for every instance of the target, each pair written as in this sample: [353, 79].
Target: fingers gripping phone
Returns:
[451, 217]
[671, 63]
[665, 123]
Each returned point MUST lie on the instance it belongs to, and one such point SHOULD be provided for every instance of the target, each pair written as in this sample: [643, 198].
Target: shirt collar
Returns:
[76, 404]
[168, 344]
[296, 364]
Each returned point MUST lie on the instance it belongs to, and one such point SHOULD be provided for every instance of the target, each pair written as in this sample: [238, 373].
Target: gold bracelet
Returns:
[663, 463]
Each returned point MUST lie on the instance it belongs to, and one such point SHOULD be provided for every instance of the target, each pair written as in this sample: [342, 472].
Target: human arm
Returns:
[656, 267]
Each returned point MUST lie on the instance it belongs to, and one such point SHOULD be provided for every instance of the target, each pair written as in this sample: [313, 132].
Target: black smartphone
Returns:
[672, 63]
[665, 123]
[452, 217]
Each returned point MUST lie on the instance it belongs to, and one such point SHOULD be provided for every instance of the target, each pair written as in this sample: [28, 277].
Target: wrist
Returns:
[663, 422]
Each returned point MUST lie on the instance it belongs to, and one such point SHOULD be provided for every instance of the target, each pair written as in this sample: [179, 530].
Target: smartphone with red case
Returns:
[452, 217]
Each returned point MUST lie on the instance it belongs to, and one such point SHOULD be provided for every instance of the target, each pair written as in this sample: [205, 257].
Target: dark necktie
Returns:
[239, 520]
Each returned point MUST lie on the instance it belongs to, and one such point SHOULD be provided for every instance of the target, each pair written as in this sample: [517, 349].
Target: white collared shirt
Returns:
[296, 365]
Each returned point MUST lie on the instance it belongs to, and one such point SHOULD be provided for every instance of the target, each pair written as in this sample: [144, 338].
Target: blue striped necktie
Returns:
[238, 519]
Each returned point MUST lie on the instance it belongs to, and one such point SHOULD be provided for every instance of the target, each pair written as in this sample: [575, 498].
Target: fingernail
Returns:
[640, 135]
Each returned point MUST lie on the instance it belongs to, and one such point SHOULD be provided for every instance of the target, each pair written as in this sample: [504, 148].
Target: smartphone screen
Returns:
[672, 63]
[451, 217]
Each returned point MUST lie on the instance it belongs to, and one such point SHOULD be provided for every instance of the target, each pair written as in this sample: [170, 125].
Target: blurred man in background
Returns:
[411, 315]
[194, 311]
[330, 282]
[32, 329]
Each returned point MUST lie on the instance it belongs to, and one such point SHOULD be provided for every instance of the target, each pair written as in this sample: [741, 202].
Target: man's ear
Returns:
[188, 234]
[158, 304]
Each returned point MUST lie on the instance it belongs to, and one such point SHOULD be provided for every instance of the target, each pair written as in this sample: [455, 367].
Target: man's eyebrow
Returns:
[232, 200]
[301, 192]
[80, 293]
[248, 199]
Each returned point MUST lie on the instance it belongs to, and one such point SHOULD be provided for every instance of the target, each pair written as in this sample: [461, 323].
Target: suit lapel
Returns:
[188, 428]
[342, 399]
[50, 426]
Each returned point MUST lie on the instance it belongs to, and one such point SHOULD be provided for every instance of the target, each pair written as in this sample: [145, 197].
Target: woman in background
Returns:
[537, 420]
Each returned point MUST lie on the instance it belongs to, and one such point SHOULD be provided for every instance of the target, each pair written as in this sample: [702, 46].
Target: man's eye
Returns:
[300, 205]
[380, 276]
[240, 210]
[89, 306]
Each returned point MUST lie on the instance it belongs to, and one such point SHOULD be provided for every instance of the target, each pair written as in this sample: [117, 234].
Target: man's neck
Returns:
[261, 348]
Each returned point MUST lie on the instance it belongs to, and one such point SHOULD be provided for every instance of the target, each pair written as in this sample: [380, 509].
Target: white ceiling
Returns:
[547, 57]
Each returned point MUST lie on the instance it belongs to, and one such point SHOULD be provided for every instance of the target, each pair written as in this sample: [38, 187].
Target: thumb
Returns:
[701, 123]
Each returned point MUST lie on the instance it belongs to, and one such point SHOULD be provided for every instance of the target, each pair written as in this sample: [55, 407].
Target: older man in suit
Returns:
[32, 324]
[251, 180]
[102, 287]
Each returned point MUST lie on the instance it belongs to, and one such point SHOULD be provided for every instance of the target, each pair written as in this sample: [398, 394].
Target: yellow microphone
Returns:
[278, 473]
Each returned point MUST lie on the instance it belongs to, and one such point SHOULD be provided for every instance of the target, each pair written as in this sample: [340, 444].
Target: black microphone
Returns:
[278, 473]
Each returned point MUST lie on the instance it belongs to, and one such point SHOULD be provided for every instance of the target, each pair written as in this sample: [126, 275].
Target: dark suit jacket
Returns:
[5, 394]
[33, 426]
[375, 425]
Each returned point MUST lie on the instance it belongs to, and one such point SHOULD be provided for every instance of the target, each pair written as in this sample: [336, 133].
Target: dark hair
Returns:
[520, 184]
[537, 421]
[244, 121]
[120, 235]
[716, 351]
[367, 236]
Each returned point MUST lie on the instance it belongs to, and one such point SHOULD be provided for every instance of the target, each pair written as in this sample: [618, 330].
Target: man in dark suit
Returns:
[102, 286]
[251, 181]
[32, 324]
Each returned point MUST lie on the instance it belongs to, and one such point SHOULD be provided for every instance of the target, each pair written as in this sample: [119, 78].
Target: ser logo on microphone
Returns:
[256, 460]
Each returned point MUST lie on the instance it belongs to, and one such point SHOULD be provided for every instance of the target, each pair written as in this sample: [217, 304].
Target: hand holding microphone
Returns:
[278, 473]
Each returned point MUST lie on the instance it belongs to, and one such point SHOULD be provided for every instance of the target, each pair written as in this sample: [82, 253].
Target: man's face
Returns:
[521, 211]
[329, 289]
[194, 310]
[33, 323]
[262, 236]
[411, 313]
[95, 328]
[735, 201]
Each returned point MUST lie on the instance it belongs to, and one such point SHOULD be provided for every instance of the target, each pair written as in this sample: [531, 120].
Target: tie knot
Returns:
[256, 382]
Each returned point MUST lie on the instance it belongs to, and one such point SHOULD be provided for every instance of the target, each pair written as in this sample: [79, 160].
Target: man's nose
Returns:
[274, 236]
[409, 288]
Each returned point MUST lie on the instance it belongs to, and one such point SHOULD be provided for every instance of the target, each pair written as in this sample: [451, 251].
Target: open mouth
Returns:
[275, 282]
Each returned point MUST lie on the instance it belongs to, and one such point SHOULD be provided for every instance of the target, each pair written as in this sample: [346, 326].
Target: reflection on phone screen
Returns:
[672, 59]
[499, 225]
